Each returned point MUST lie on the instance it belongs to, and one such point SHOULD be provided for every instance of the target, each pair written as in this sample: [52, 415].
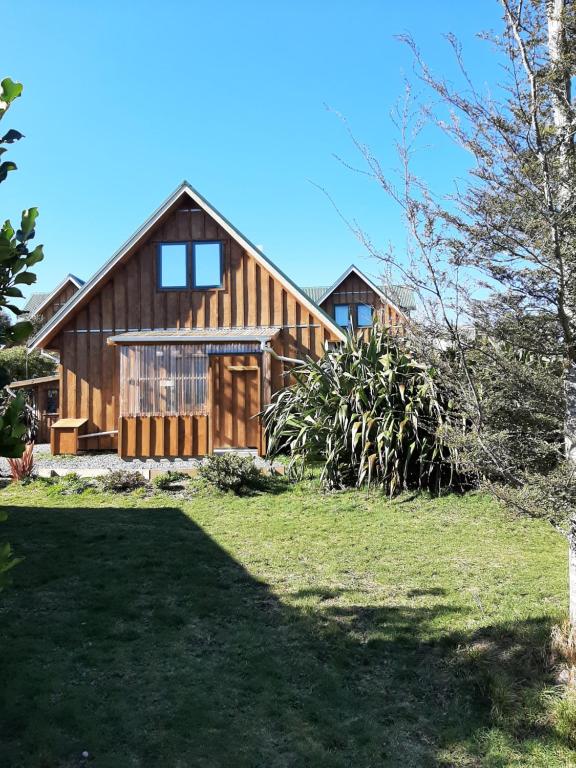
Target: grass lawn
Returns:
[281, 630]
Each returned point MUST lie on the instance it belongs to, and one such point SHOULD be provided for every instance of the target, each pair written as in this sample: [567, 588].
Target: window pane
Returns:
[173, 265]
[207, 265]
[364, 315]
[342, 315]
[163, 380]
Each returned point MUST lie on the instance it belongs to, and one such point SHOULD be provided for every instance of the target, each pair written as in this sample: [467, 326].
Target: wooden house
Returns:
[177, 342]
[355, 302]
[43, 392]
[41, 307]
[43, 395]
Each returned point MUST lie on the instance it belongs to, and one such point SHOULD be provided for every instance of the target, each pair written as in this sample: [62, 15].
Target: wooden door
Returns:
[235, 401]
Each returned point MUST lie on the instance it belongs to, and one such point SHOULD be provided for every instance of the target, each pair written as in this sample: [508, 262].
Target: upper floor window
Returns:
[196, 265]
[342, 315]
[207, 265]
[364, 315]
[357, 315]
[173, 265]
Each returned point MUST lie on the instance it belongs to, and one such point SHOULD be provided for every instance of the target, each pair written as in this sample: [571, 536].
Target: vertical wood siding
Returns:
[58, 301]
[354, 290]
[130, 300]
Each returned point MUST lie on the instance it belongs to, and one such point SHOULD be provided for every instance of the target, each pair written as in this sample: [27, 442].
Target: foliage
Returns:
[21, 468]
[371, 411]
[17, 363]
[13, 427]
[495, 253]
[71, 484]
[16, 257]
[230, 472]
[393, 634]
[166, 481]
[121, 481]
[517, 428]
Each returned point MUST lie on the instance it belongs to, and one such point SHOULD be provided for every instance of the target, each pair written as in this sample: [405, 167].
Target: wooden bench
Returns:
[65, 434]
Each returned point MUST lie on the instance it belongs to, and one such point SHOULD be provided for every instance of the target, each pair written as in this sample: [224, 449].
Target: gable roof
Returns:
[38, 301]
[55, 323]
[34, 301]
[403, 295]
[319, 294]
[315, 292]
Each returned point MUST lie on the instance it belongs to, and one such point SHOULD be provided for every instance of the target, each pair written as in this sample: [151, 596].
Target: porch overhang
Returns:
[24, 383]
[259, 334]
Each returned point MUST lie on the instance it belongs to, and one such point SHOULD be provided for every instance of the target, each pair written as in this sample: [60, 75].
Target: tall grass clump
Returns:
[370, 411]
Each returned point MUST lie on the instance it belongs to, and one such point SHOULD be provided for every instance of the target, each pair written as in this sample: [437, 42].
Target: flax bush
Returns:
[370, 412]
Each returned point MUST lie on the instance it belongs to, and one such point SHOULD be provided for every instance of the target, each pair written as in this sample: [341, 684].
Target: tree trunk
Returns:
[572, 573]
[562, 112]
[570, 441]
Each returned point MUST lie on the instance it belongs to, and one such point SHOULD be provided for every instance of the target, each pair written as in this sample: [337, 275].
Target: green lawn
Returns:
[281, 630]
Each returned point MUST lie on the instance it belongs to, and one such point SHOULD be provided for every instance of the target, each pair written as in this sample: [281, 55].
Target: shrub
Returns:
[370, 411]
[165, 482]
[121, 481]
[230, 472]
[21, 469]
[71, 484]
[17, 363]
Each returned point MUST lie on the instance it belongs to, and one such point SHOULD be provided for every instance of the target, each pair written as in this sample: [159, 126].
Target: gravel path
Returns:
[92, 462]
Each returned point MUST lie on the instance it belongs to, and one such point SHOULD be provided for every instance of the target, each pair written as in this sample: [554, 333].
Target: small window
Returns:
[52, 401]
[207, 265]
[173, 265]
[342, 315]
[364, 315]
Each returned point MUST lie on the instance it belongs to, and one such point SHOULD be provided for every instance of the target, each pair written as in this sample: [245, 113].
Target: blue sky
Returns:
[122, 100]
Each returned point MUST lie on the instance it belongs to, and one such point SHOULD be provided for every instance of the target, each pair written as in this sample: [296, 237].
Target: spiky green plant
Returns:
[370, 411]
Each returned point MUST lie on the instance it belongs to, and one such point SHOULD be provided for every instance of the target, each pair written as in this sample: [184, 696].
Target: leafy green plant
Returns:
[370, 411]
[15, 255]
[16, 258]
[21, 468]
[230, 472]
[71, 484]
[121, 481]
[13, 428]
[166, 481]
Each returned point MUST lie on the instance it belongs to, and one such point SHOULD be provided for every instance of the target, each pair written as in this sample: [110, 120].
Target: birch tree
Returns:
[502, 244]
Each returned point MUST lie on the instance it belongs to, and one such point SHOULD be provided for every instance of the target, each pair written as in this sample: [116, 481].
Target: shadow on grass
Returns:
[131, 634]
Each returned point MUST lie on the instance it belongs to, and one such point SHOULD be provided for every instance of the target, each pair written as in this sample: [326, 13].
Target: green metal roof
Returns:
[399, 294]
[315, 292]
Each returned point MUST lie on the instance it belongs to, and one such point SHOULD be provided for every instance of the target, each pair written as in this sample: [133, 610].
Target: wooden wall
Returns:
[130, 300]
[170, 436]
[354, 290]
[57, 301]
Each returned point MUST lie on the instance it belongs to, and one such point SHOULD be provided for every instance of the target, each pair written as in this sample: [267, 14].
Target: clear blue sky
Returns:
[122, 100]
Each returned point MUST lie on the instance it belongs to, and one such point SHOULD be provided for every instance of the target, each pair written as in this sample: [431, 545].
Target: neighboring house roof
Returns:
[399, 296]
[55, 323]
[35, 300]
[316, 292]
[245, 333]
[38, 301]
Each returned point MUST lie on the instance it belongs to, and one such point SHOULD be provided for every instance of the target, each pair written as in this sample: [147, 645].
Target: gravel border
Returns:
[101, 463]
